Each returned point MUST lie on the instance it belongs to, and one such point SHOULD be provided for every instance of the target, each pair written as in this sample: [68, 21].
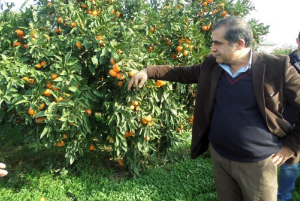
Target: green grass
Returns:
[96, 176]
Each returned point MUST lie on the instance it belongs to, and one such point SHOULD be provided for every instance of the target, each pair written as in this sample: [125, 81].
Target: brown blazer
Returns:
[275, 81]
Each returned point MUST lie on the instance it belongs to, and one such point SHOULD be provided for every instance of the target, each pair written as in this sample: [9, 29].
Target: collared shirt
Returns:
[226, 67]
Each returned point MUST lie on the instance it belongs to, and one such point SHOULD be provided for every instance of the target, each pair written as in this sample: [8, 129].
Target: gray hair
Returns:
[236, 29]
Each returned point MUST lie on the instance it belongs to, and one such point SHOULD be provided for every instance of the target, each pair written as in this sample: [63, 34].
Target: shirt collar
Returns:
[226, 67]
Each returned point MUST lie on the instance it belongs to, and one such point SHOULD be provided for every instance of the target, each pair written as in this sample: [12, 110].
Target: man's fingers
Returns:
[2, 165]
[143, 80]
[3, 173]
[130, 84]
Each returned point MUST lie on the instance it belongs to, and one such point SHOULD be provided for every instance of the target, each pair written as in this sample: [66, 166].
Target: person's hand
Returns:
[2, 172]
[280, 157]
[138, 79]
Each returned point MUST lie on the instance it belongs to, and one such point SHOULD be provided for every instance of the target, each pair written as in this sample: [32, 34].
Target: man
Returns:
[2, 172]
[288, 172]
[238, 111]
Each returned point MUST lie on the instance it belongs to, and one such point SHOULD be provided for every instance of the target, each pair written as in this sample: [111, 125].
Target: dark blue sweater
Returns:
[238, 131]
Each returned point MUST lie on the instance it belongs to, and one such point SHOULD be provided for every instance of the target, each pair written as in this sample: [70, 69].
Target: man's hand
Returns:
[139, 77]
[280, 157]
[2, 172]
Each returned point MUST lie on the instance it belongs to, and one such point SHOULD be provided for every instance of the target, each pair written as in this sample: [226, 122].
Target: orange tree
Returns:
[65, 65]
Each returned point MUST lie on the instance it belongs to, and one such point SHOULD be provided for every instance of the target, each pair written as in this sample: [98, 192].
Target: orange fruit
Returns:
[43, 63]
[70, 123]
[74, 24]
[187, 40]
[116, 68]
[59, 99]
[131, 107]
[112, 11]
[150, 123]
[144, 121]
[131, 74]
[19, 32]
[59, 20]
[39, 120]
[53, 76]
[89, 112]
[112, 61]
[118, 14]
[147, 138]
[60, 143]
[179, 48]
[25, 46]
[185, 52]
[111, 139]
[204, 4]
[42, 105]
[38, 66]
[120, 83]
[65, 136]
[120, 76]
[30, 81]
[26, 79]
[204, 28]
[49, 84]
[112, 73]
[47, 92]
[160, 83]
[121, 162]
[152, 29]
[17, 44]
[94, 13]
[49, 3]
[224, 13]
[78, 44]
[135, 103]
[58, 31]
[92, 147]
[99, 38]
[31, 111]
[83, 5]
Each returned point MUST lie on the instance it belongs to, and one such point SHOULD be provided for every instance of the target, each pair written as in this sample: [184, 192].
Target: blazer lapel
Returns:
[258, 74]
[217, 72]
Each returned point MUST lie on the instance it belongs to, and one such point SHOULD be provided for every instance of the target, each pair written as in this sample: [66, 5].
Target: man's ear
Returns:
[240, 44]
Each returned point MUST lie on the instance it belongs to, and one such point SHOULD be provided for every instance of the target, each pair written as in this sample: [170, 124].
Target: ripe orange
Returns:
[150, 123]
[65, 136]
[47, 92]
[187, 40]
[60, 143]
[152, 29]
[42, 105]
[118, 14]
[92, 148]
[53, 76]
[83, 5]
[116, 68]
[38, 66]
[120, 83]
[131, 74]
[224, 13]
[112, 11]
[204, 4]
[30, 81]
[131, 107]
[204, 28]
[78, 44]
[160, 83]
[112, 73]
[39, 120]
[26, 79]
[179, 48]
[49, 84]
[74, 24]
[59, 99]
[147, 138]
[209, 1]
[49, 3]
[43, 63]
[112, 61]
[144, 121]
[120, 76]
[17, 44]
[89, 112]
[135, 103]
[185, 52]
[99, 38]
[59, 20]
[19, 32]
[121, 163]
[58, 31]
[111, 139]
[25, 46]
[31, 111]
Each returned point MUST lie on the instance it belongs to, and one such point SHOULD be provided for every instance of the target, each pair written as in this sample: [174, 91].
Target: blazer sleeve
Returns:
[292, 95]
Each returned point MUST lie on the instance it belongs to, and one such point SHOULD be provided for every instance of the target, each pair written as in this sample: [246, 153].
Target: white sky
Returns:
[283, 16]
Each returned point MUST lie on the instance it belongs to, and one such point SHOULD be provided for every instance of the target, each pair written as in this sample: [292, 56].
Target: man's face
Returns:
[220, 48]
